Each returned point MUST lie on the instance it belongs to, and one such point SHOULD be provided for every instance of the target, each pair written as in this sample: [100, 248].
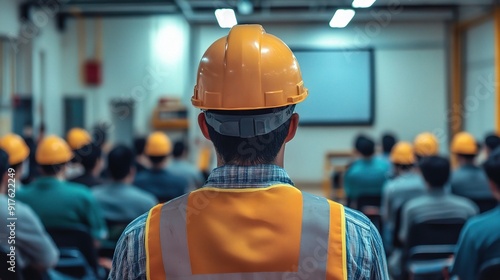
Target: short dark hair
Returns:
[4, 162]
[388, 141]
[364, 145]
[51, 170]
[156, 159]
[435, 170]
[468, 158]
[404, 167]
[492, 168]
[261, 149]
[179, 148]
[139, 145]
[492, 141]
[88, 155]
[120, 161]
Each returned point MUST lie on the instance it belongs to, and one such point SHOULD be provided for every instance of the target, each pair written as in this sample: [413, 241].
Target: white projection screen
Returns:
[341, 87]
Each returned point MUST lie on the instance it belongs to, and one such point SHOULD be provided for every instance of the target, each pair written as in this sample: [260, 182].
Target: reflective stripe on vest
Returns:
[217, 233]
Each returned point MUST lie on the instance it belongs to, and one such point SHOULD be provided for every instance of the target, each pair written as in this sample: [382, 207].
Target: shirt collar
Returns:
[255, 176]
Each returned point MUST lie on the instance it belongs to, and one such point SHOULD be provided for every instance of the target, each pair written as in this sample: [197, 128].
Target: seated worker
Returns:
[249, 221]
[57, 202]
[425, 145]
[406, 185]
[77, 138]
[468, 180]
[366, 175]
[120, 200]
[158, 180]
[18, 152]
[181, 166]
[480, 238]
[33, 246]
[92, 162]
[435, 204]
[388, 142]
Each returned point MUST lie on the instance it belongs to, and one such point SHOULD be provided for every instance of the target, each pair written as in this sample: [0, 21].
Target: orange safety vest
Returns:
[276, 232]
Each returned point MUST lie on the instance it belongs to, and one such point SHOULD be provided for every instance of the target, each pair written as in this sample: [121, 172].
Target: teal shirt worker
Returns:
[60, 203]
[57, 202]
[479, 240]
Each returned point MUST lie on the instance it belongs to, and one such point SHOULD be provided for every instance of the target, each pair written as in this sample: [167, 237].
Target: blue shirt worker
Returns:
[468, 180]
[181, 166]
[119, 200]
[366, 175]
[408, 184]
[249, 221]
[57, 202]
[158, 180]
[480, 238]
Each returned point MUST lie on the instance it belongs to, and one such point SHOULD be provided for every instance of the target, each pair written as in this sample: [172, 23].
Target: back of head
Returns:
[120, 162]
[77, 138]
[52, 154]
[364, 145]
[425, 145]
[158, 147]
[179, 149]
[388, 142]
[16, 147]
[402, 155]
[139, 144]
[435, 170]
[89, 155]
[248, 83]
[492, 168]
[464, 145]
[492, 141]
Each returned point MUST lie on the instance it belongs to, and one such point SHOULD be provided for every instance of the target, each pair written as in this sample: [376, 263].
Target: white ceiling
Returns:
[303, 11]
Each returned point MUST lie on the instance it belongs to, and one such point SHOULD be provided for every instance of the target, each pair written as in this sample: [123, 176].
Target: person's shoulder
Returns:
[485, 219]
[416, 202]
[462, 201]
[356, 219]
[136, 226]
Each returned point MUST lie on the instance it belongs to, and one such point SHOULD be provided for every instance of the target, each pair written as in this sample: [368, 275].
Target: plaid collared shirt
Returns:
[365, 253]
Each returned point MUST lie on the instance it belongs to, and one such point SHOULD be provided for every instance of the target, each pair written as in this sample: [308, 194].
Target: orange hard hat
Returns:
[158, 144]
[78, 137]
[402, 153]
[464, 143]
[53, 150]
[426, 144]
[16, 148]
[248, 70]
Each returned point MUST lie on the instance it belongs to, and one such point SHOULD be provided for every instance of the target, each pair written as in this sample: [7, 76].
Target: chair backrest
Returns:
[485, 204]
[434, 232]
[368, 200]
[490, 270]
[78, 238]
[115, 229]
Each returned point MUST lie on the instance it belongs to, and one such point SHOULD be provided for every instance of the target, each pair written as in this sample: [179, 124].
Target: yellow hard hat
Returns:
[464, 143]
[248, 70]
[77, 138]
[16, 147]
[426, 144]
[158, 144]
[402, 153]
[53, 150]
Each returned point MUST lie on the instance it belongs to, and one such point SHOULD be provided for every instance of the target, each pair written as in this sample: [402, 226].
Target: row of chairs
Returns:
[78, 254]
[430, 245]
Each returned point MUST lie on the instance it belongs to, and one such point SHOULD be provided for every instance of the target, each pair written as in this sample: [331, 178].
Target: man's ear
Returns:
[203, 125]
[294, 123]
